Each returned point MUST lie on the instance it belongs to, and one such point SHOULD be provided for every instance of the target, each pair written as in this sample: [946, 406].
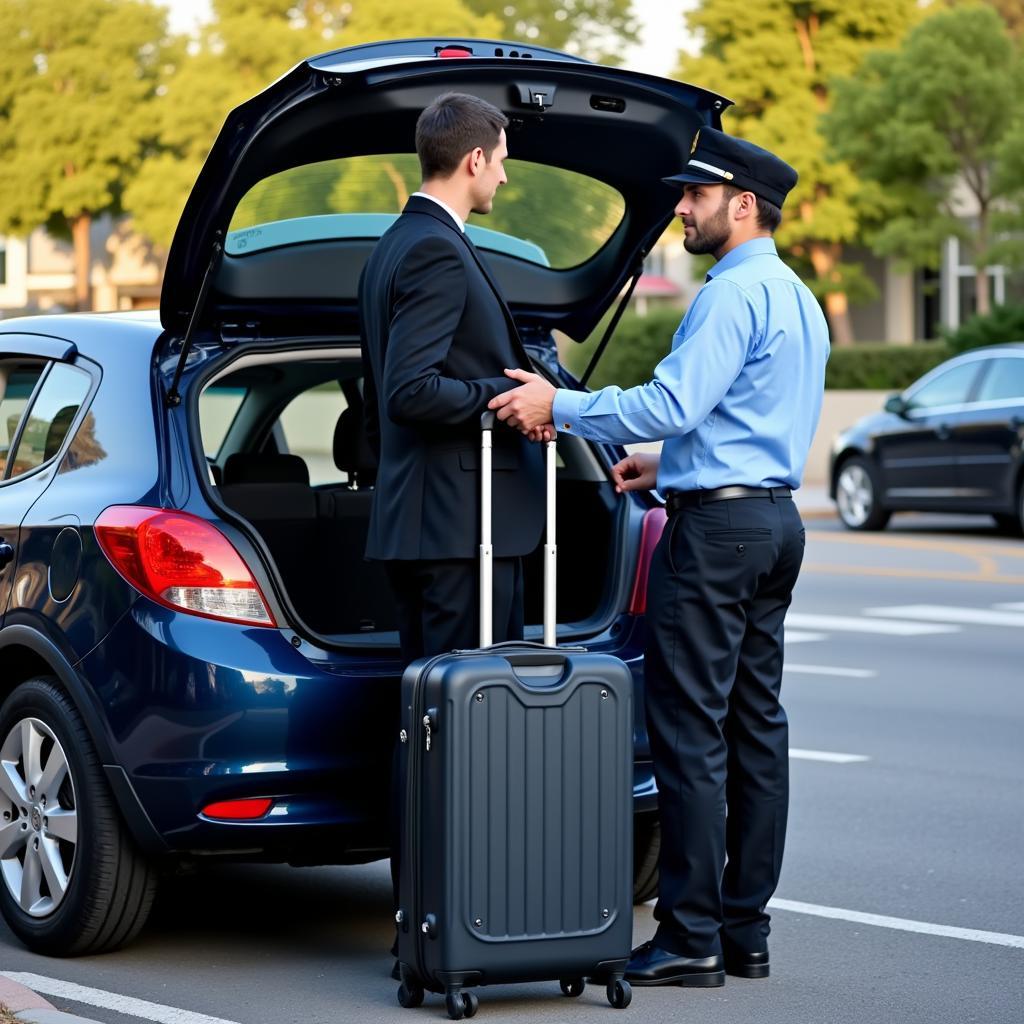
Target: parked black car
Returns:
[951, 442]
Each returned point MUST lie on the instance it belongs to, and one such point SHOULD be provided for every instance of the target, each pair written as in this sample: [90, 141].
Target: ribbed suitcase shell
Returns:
[517, 845]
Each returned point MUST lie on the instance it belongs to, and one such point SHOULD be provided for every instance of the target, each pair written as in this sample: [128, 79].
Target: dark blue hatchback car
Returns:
[196, 659]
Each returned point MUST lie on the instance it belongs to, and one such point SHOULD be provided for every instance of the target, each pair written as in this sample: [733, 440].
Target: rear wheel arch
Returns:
[26, 654]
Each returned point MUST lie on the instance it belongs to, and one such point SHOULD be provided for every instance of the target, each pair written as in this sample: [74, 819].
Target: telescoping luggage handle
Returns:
[487, 548]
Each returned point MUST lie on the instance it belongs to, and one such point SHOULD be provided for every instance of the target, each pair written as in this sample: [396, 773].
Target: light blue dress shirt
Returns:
[737, 399]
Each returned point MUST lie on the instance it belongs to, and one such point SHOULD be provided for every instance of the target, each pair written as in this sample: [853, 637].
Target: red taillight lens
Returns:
[454, 51]
[238, 810]
[181, 561]
[653, 528]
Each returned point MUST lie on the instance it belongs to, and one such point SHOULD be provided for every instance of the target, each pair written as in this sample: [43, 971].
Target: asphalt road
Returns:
[905, 690]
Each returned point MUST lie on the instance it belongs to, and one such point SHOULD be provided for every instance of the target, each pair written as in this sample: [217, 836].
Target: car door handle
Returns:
[6, 554]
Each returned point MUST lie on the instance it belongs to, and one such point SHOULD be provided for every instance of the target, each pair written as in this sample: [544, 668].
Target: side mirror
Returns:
[896, 404]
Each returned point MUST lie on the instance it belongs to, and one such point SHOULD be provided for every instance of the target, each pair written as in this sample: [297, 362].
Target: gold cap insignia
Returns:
[696, 139]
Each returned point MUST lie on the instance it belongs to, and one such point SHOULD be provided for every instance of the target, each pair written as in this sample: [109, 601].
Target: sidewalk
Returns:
[26, 1006]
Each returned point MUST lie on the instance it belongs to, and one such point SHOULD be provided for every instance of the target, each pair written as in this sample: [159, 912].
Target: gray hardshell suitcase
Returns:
[517, 831]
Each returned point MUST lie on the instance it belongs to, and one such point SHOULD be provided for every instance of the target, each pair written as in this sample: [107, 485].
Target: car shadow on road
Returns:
[274, 910]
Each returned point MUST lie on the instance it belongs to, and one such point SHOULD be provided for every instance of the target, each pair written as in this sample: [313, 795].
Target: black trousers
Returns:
[438, 604]
[439, 610]
[721, 581]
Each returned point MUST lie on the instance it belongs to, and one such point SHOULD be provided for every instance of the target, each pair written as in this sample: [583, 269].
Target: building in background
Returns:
[37, 272]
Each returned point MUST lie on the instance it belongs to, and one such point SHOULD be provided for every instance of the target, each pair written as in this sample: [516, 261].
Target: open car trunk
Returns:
[306, 491]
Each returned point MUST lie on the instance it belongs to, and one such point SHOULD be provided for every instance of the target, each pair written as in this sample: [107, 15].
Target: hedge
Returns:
[1004, 323]
[640, 343]
[881, 367]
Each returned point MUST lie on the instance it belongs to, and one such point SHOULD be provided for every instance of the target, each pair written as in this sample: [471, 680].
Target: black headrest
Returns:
[253, 468]
[352, 452]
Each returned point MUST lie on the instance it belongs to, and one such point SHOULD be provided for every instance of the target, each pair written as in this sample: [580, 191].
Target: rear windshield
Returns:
[545, 215]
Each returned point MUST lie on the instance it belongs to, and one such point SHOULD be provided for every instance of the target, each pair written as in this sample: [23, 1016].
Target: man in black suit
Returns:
[436, 338]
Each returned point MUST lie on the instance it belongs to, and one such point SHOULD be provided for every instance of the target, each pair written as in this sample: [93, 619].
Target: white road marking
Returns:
[831, 670]
[111, 1000]
[900, 923]
[826, 755]
[949, 613]
[1011, 606]
[855, 624]
[797, 636]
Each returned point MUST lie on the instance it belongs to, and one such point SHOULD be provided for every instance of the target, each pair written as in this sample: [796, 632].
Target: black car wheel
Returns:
[857, 496]
[73, 881]
[646, 847]
[1013, 524]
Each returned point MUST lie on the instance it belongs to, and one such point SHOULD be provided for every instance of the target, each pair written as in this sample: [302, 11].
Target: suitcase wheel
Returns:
[410, 995]
[572, 987]
[620, 995]
[461, 1004]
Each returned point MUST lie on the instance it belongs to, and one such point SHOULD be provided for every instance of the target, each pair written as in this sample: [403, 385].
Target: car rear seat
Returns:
[370, 605]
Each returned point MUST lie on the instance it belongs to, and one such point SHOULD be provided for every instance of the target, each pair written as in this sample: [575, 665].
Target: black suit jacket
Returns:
[436, 337]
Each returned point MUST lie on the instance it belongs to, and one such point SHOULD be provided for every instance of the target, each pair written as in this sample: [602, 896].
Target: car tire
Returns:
[1013, 523]
[87, 887]
[857, 496]
[646, 848]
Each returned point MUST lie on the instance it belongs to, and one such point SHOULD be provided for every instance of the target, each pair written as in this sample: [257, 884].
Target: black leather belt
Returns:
[676, 500]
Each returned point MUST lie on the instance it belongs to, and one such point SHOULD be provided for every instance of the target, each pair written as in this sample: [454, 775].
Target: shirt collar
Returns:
[753, 247]
[444, 206]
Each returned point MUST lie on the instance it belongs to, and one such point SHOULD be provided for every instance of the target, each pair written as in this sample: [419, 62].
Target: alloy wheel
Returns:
[38, 817]
[855, 494]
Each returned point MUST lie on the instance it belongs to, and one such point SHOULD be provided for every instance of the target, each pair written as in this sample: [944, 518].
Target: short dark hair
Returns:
[453, 125]
[769, 216]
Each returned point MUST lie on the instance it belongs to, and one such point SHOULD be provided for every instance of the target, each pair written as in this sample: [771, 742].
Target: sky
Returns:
[661, 21]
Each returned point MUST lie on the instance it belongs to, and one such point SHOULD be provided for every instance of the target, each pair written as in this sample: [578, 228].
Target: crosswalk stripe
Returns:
[799, 636]
[899, 923]
[831, 670]
[857, 624]
[949, 613]
[826, 755]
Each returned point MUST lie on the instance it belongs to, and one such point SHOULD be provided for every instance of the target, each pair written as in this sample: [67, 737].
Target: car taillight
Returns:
[238, 810]
[653, 528]
[453, 51]
[181, 561]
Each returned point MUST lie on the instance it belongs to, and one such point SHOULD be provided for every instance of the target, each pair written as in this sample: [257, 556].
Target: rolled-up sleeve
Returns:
[708, 352]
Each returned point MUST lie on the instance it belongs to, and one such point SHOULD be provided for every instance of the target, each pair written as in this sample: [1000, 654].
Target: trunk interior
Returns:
[283, 438]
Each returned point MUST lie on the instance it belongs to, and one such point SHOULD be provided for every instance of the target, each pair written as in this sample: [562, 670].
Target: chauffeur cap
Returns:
[720, 159]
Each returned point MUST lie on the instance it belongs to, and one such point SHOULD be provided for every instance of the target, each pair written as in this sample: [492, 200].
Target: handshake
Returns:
[528, 408]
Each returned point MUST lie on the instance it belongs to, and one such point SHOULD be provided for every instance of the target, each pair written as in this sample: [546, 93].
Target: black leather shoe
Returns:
[651, 965]
[741, 963]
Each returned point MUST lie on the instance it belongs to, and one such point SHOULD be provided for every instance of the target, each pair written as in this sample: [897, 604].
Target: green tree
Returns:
[77, 81]
[247, 45]
[776, 59]
[931, 124]
[597, 29]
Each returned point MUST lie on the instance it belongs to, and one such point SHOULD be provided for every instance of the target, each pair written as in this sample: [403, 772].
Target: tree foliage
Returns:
[938, 126]
[77, 83]
[598, 29]
[777, 59]
[247, 45]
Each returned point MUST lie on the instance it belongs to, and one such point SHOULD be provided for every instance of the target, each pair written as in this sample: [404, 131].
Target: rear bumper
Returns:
[201, 711]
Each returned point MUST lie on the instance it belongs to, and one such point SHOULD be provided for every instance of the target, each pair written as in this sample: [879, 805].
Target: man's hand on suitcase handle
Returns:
[528, 407]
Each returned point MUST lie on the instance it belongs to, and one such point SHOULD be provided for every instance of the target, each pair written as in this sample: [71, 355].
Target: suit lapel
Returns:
[417, 204]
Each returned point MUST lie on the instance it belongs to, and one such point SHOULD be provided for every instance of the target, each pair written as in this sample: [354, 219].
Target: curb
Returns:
[32, 1008]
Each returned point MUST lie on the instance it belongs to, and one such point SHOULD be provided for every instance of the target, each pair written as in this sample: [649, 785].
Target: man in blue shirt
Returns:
[736, 403]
